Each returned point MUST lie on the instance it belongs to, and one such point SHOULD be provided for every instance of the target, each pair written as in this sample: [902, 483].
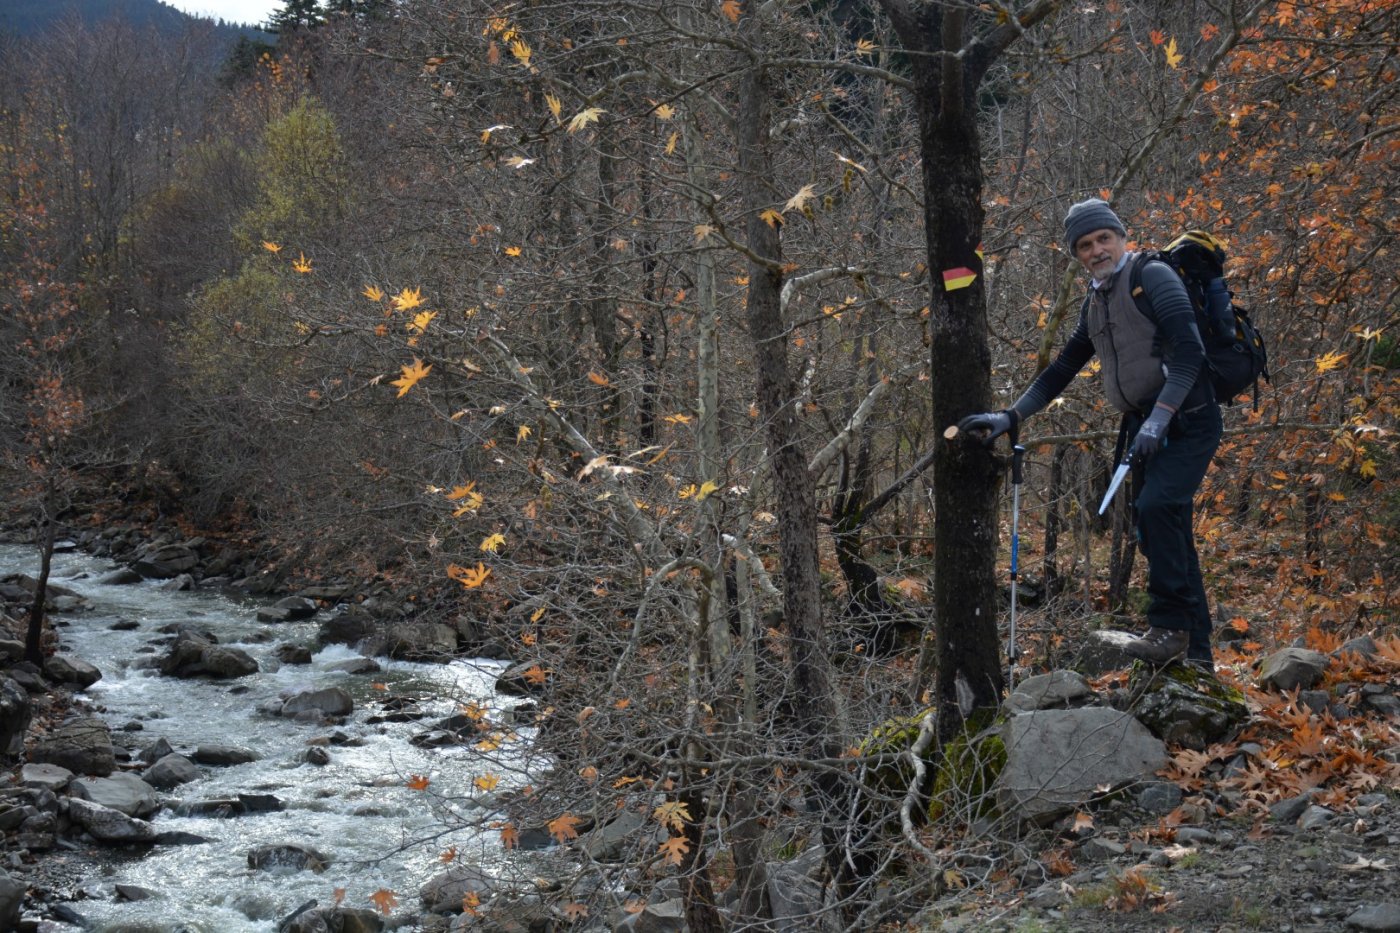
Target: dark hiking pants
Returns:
[1176, 593]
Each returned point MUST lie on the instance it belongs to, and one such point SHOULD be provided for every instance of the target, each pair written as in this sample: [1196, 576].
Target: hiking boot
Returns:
[1158, 646]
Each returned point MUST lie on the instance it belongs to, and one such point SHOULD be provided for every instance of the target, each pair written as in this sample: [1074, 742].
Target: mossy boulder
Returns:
[1184, 705]
[958, 782]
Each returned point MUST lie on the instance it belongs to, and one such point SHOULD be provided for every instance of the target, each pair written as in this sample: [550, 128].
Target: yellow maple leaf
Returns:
[585, 117]
[799, 200]
[469, 577]
[272, 247]
[373, 293]
[705, 489]
[565, 827]
[665, 111]
[487, 782]
[1173, 56]
[864, 46]
[1330, 361]
[420, 322]
[384, 900]
[673, 850]
[671, 143]
[702, 231]
[678, 419]
[537, 614]
[512, 251]
[772, 218]
[411, 376]
[493, 542]
[730, 9]
[555, 107]
[408, 299]
[673, 814]
[521, 50]
[302, 264]
[522, 432]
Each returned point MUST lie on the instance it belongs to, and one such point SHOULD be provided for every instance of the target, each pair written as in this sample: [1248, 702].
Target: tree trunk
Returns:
[34, 635]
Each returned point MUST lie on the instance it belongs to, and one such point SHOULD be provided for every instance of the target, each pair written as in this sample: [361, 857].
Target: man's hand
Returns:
[992, 424]
[1151, 436]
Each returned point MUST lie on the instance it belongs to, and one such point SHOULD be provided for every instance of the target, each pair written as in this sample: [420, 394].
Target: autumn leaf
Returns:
[420, 322]
[408, 299]
[1209, 31]
[418, 782]
[705, 489]
[535, 675]
[772, 218]
[671, 142]
[493, 542]
[678, 419]
[799, 200]
[1330, 361]
[702, 231]
[598, 379]
[271, 247]
[373, 293]
[470, 902]
[575, 912]
[522, 432]
[864, 47]
[384, 900]
[730, 10]
[487, 782]
[513, 251]
[510, 837]
[521, 50]
[338, 896]
[665, 111]
[447, 855]
[673, 850]
[412, 375]
[555, 107]
[1173, 56]
[519, 162]
[302, 264]
[463, 492]
[563, 828]
[469, 577]
[1157, 37]
[673, 814]
[585, 117]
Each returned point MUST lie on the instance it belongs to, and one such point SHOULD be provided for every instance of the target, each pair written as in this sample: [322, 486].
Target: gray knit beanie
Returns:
[1088, 216]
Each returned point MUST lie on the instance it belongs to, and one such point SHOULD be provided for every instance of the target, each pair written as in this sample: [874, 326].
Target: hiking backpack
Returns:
[1235, 352]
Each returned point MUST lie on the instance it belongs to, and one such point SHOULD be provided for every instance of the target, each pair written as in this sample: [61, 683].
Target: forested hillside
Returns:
[632, 332]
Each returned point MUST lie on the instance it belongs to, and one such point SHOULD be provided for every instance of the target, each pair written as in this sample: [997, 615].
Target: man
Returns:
[1152, 368]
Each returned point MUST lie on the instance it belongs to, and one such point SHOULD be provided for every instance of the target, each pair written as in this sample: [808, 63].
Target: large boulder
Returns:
[415, 641]
[1104, 650]
[329, 701]
[166, 561]
[1292, 668]
[444, 892]
[123, 792]
[83, 746]
[1058, 759]
[351, 626]
[66, 669]
[288, 856]
[15, 713]
[170, 771]
[193, 655]
[108, 825]
[1055, 690]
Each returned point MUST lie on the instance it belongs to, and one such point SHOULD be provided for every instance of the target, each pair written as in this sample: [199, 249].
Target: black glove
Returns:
[993, 424]
[1152, 436]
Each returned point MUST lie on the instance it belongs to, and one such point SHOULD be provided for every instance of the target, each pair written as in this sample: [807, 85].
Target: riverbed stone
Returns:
[294, 654]
[1375, 918]
[350, 626]
[171, 771]
[123, 792]
[122, 576]
[45, 776]
[108, 825]
[415, 641]
[193, 654]
[356, 666]
[227, 663]
[83, 746]
[15, 713]
[443, 893]
[12, 892]
[219, 756]
[66, 669]
[288, 856]
[1059, 759]
[338, 919]
[330, 701]
[166, 561]
[11, 649]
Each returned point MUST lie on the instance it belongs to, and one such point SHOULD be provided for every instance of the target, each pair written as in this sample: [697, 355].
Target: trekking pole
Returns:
[1018, 453]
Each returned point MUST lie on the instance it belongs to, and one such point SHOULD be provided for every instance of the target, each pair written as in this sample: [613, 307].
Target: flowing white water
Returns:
[358, 810]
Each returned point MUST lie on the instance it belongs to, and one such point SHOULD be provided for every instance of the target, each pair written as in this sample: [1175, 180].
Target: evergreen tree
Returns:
[296, 15]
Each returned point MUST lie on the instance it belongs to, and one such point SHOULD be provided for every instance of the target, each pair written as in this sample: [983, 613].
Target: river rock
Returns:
[339, 919]
[415, 641]
[123, 792]
[330, 701]
[12, 892]
[1292, 667]
[66, 669]
[219, 756]
[193, 654]
[15, 713]
[294, 654]
[83, 746]
[522, 680]
[1057, 760]
[166, 561]
[181, 584]
[155, 751]
[107, 824]
[1375, 918]
[351, 626]
[287, 856]
[662, 917]
[297, 607]
[122, 576]
[356, 666]
[11, 649]
[443, 893]
[170, 771]
[45, 777]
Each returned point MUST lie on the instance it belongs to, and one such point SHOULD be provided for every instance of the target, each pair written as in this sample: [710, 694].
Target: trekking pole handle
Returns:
[1018, 454]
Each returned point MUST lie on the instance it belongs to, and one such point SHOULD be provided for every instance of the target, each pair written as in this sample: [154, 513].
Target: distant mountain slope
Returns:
[32, 17]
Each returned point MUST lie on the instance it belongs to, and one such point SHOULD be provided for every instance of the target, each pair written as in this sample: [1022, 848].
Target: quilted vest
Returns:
[1130, 355]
